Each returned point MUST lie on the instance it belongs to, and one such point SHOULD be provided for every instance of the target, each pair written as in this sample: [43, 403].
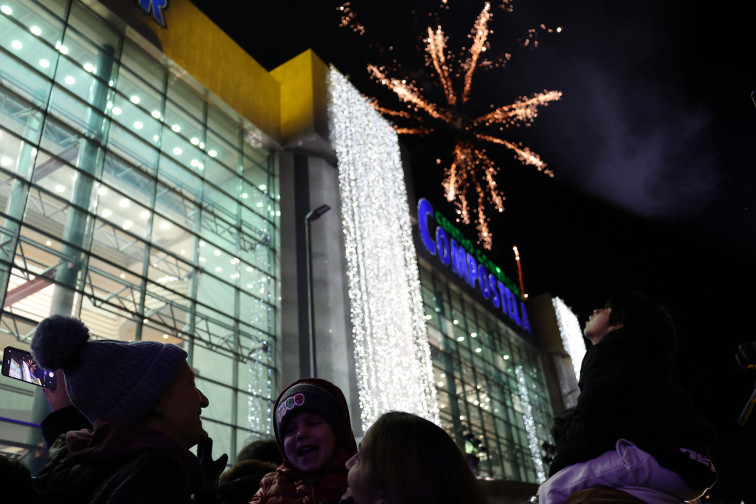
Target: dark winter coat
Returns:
[119, 462]
[626, 392]
[288, 486]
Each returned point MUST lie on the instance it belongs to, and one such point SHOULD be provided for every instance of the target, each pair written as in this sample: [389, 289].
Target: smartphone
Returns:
[20, 364]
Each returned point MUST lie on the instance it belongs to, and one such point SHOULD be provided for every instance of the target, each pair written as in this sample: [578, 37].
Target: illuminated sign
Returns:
[156, 7]
[453, 250]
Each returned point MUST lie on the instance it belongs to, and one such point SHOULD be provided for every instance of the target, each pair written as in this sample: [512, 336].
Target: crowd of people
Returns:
[126, 415]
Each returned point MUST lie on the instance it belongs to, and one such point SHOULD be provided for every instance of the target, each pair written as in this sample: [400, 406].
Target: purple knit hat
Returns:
[106, 378]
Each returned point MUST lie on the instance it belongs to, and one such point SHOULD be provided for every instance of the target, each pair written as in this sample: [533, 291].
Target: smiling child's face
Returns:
[309, 441]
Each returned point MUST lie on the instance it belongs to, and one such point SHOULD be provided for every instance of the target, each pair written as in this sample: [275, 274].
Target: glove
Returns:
[211, 470]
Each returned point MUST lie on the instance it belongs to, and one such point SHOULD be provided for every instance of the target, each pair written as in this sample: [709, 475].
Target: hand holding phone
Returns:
[58, 398]
[20, 364]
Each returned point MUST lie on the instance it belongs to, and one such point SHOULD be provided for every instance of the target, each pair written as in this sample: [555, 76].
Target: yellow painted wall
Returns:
[196, 44]
[304, 96]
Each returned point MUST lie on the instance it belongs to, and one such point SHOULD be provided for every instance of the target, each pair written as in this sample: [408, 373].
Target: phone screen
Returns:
[20, 364]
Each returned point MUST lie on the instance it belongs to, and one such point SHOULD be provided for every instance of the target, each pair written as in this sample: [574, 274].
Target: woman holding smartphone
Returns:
[145, 412]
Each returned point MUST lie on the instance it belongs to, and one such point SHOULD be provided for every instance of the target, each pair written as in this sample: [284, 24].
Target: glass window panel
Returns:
[166, 311]
[124, 212]
[59, 140]
[181, 179]
[134, 94]
[215, 293]
[21, 82]
[176, 207]
[256, 282]
[156, 330]
[136, 119]
[18, 115]
[87, 31]
[175, 240]
[221, 232]
[107, 285]
[16, 156]
[118, 173]
[114, 244]
[186, 103]
[181, 151]
[144, 65]
[256, 165]
[165, 267]
[74, 96]
[257, 312]
[255, 414]
[215, 330]
[128, 146]
[189, 128]
[222, 137]
[212, 365]
[107, 321]
[256, 238]
[222, 175]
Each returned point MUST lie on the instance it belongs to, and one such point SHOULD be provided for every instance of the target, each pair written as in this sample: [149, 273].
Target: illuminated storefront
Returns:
[132, 201]
[155, 200]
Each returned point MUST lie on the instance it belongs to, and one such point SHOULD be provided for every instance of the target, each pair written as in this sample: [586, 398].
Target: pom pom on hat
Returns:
[57, 341]
[106, 378]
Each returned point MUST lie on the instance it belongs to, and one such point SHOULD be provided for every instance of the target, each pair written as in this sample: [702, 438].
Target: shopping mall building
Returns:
[159, 184]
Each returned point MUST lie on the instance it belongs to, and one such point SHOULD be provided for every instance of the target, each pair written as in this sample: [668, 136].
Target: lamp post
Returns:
[311, 216]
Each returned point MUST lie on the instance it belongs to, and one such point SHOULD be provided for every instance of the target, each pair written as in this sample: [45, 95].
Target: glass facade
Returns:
[132, 198]
[490, 385]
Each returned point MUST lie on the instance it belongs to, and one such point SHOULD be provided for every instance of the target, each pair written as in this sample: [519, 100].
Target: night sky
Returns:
[652, 145]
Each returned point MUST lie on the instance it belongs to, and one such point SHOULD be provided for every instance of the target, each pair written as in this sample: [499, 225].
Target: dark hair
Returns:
[261, 449]
[413, 460]
[649, 321]
[15, 480]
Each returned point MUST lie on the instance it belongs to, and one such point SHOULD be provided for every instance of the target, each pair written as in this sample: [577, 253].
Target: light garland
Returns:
[569, 330]
[530, 428]
[392, 353]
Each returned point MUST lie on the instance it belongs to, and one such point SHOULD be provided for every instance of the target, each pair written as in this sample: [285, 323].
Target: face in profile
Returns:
[598, 325]
[309, 441]
[358, 479]
[180, 409]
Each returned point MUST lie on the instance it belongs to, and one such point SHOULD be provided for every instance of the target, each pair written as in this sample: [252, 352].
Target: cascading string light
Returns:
[569, 330]
[528, 421]
[392, 352]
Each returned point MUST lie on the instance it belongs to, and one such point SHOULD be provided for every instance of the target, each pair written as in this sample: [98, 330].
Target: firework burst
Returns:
[471, 172]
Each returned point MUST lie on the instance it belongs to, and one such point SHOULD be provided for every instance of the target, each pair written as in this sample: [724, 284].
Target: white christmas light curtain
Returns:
[392, 353]
[572, 335]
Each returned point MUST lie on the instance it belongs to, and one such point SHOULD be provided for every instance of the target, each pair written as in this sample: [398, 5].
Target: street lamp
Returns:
[311, 216]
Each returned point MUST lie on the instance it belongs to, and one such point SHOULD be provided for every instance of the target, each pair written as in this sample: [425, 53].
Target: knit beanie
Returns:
[306, 397]
[106, 378]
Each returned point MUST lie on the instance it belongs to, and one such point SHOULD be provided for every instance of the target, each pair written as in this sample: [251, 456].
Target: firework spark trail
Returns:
[524, 109]
[407, 92]
[471, 170]
[524, 154]
[491, 171]
[435, 47]
[390, 112]
[483, 231]
[480, 38]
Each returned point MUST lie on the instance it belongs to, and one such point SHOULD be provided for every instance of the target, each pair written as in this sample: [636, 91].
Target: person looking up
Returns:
[406, 459]
[314, 434]
[633, 429]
